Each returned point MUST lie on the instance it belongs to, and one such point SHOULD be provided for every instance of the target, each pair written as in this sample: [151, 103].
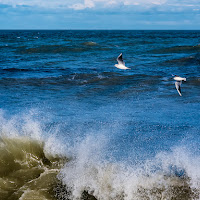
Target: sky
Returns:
[100, 14]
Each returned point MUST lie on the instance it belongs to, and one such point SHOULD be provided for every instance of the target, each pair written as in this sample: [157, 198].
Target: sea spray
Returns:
[30, 161]
[172, 175]
[35, 164]
[28, 170]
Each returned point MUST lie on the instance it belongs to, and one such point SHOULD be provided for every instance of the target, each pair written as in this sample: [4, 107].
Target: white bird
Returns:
[178, 82]
[121, 63]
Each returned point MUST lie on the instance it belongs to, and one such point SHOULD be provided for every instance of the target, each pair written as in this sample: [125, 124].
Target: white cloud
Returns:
[106, 3]
[93, 3]
[165, 5]
[37, 3]
[85, 4]
[144, 2]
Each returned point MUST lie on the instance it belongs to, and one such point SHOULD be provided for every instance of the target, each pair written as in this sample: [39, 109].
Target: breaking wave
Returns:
[36, 164]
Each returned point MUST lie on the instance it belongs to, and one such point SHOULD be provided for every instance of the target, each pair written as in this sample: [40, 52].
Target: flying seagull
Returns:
[178, 82]
[121, 63]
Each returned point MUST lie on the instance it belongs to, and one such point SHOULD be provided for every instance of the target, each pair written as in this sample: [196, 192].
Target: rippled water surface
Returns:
[92, 131]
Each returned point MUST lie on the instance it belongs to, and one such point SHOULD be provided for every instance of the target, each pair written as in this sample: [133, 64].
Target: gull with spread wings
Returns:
[121, 63]
[178, 82]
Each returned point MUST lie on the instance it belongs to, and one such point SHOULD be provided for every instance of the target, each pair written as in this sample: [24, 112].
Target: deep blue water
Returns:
[67, 81]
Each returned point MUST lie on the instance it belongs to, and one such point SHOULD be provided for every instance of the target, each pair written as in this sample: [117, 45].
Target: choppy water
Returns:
[75, 127]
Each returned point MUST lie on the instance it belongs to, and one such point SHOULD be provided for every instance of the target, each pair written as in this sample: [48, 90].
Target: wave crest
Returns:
[35, 168]
[26, 171]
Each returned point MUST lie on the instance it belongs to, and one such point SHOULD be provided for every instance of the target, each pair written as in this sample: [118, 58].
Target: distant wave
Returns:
[107, 83]
[90, 43]
[49, 49]
[4, 46]
[177, 49]
[185, 61]
[53, 49]
[103, 79]
[137, 42]
[13, 69]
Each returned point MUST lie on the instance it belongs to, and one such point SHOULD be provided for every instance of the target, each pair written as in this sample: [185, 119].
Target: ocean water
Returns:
[73, 126]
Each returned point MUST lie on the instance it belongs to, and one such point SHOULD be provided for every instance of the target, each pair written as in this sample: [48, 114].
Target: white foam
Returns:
[106, 181]
[27, 125]
[91, 168]
[20, 125]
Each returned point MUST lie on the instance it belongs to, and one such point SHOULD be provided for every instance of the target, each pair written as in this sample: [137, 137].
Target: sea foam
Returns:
[170, 175]
[37, 163]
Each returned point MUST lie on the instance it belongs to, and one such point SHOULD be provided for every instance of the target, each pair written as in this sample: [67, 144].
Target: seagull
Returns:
[121, 63]
[178, 82]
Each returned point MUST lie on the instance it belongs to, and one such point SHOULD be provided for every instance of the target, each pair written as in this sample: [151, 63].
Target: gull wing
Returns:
[120, 60]
[178, 87]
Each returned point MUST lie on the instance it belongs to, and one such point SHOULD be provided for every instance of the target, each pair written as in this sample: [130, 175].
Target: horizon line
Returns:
[20, 29]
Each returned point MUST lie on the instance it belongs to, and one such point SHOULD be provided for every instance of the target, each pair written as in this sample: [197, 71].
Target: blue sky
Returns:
[100, 14]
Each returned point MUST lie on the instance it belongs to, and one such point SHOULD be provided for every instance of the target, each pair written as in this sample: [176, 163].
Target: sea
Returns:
[75, 127]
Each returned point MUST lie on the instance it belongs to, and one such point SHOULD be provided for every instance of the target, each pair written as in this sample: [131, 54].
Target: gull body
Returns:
[121, 63]
[178, 83]
[178, 78]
